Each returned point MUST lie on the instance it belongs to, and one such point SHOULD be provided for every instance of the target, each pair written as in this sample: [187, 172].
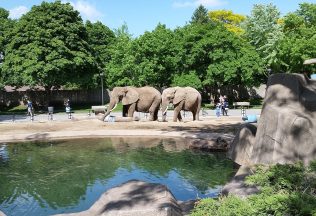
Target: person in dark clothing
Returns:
[30, 110]
[224, 106]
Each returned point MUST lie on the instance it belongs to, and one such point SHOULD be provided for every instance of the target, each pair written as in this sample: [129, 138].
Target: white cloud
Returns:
[195, 3]
[17, 12]
[87, 10]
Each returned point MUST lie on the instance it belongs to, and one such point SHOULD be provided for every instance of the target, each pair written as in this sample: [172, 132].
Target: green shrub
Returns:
[285, 190]
[226, 206]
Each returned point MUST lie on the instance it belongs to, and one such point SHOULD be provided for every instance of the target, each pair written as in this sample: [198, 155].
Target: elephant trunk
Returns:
[164, 108]
[111, 107]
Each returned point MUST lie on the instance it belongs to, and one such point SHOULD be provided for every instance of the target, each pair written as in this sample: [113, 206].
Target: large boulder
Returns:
[134, 198]
[287, 128]
[241, 148]
[237, 185]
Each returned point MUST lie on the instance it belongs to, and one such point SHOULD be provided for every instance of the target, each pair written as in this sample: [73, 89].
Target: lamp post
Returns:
[101, 76]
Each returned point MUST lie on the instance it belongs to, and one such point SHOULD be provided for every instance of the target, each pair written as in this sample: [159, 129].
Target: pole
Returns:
[102, 88]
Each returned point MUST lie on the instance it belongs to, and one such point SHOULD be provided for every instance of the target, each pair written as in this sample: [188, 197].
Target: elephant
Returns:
[144, 99]
[182, 98]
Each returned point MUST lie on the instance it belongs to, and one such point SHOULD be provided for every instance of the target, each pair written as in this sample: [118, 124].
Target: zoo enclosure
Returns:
[43, 99]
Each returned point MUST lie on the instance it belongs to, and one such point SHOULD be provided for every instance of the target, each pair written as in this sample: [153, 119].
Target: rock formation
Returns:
[136, 198]
[287, 126]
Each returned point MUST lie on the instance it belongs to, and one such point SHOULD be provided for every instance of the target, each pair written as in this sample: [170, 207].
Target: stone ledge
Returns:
[237, 185]
[134, 198]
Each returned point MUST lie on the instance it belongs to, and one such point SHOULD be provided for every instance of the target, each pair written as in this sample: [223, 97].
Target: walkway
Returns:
[65, 117]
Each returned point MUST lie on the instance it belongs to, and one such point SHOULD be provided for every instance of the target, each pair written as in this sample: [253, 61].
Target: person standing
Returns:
[224, 105]
[30, 110]
[218, 110]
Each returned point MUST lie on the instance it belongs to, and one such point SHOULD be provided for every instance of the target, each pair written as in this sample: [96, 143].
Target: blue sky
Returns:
[144, 15]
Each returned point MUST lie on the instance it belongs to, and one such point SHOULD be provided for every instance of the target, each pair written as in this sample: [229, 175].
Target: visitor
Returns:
[30, 110]
[218, 109]
[224, 105]
[221, 99]
[67, 105]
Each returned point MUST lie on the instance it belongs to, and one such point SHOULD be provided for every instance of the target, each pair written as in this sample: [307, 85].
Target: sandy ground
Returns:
[90, 127]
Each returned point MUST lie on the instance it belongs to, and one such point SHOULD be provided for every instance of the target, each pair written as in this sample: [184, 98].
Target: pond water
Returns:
[44, 178]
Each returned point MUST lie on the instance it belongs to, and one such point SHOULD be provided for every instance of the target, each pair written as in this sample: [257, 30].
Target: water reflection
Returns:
[4, 155]
[68, 176]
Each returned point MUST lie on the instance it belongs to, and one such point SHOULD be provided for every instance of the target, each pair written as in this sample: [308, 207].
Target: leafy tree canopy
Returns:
[100, 37]
[230, 20]
[190, 79]
[158, 54]
[200, 15]
[218, 57]
[299, 42]
[6, 26]
[49, 48]
[151, 59]
[263, 30]
[120, 70]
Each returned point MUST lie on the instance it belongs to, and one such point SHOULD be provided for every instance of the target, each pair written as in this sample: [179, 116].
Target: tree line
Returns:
[51, 46]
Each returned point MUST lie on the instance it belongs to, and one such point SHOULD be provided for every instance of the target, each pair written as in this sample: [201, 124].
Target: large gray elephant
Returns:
[145, 99]
[182, 98]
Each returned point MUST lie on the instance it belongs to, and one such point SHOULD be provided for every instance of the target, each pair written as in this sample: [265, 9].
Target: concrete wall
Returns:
[235, 93]
[53, 98]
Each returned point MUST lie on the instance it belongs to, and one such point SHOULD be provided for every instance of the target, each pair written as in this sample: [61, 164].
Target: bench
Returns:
[241, 104]
[99, 109]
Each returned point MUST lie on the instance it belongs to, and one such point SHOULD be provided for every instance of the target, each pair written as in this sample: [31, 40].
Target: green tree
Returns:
[230, 20]
[187, 79]
[299, 42]
[99, 38]
[120, 70]
[200, 15]
[4, 14]
[264, 32]
[6, 26]
[218, 57]
[49, 48]
[152, 59]
[157, 54]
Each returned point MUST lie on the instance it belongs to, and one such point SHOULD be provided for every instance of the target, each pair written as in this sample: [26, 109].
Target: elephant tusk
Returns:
[113, 107]
[164, 112]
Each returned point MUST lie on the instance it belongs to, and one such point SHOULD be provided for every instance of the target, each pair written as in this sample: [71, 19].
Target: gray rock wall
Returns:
[286, 130]
[241, 148]
[134, 198]
[287, 126]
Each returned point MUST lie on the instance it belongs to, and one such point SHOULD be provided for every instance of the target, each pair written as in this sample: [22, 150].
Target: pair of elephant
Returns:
[148, 99]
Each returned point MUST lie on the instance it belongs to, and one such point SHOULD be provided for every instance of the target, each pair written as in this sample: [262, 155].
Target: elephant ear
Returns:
[179, 95]
[131, 96]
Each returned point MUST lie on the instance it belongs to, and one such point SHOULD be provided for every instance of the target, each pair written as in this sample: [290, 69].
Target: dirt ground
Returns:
[80, 127]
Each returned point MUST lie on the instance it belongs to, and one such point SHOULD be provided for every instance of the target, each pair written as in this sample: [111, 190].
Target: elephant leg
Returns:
[156, 114]
[177, 113]
[153, 110]
[194, 115]
[179, 117]
[125, 110]
[131, 110]
[151, 115]
[197, 111]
